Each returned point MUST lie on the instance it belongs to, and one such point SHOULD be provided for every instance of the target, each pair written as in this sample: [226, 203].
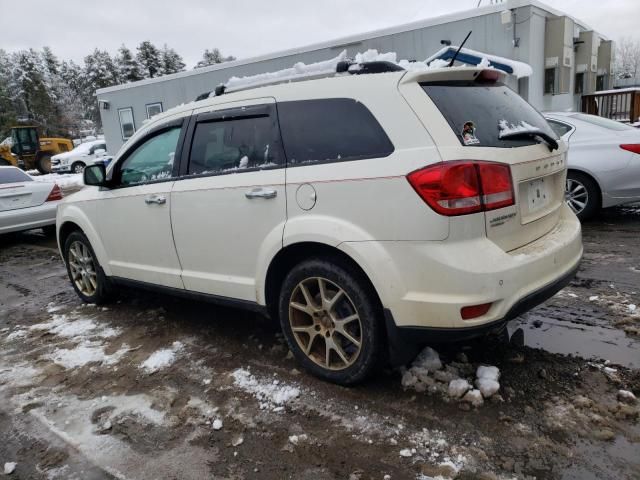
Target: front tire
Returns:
[86, 274]
[332, 321]
[77, 167]
[43, 164]
[582, 194]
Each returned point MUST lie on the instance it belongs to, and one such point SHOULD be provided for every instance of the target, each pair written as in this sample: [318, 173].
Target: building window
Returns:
[600, 80]
[127, 126]
[153, 109]
[550, 80]
[579, 86]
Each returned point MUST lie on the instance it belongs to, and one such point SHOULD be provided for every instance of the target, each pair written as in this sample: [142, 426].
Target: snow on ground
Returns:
[63, 180]
[272, 394]
[70, 326]
[85, 353]
[161, 359]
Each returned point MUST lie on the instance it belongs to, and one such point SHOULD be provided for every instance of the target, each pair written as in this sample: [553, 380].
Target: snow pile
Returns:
[270, 394]
[299, 70]
[487, 380]
[458, 387]
[66, 180]
[162, 358]
[9, 468]
[84, 353]
[508, 129]
[372, 55]
[626, 396]
[474, 397]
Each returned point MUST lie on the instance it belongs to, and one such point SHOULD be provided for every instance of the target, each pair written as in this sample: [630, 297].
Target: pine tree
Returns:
[171, 61]
[212, 57]
[149, 59]
[7, 109]
[100, 71]
[128, 67]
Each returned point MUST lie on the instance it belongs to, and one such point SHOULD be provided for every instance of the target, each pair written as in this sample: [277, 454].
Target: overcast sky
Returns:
[246, 28]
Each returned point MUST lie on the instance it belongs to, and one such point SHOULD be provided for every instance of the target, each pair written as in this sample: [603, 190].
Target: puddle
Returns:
[585, 341]
[595, 461]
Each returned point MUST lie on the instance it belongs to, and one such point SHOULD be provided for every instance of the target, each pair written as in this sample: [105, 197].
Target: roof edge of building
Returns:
[349, 40]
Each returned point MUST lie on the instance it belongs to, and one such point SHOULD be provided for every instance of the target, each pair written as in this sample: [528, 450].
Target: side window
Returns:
[152, 160]
[559, 127]
[224, 146]
[329, 130]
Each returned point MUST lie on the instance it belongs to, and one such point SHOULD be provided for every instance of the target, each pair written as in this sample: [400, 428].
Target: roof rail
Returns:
[344, 67]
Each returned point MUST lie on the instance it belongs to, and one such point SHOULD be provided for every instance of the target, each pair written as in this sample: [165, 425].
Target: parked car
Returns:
[604, 161]
[25, 204]
[75, 160]
[370, 213]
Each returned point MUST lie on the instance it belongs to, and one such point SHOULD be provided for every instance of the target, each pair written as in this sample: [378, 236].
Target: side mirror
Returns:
[95, 175]
[101, 152]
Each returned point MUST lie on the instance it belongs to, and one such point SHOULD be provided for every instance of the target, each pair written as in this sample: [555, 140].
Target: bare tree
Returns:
[628, 58]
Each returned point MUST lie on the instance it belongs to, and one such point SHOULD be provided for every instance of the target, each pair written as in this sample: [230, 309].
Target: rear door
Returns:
[229, 207]
[469, 120]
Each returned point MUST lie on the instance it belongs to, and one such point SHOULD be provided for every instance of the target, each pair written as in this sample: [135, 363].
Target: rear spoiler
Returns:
[453, 74]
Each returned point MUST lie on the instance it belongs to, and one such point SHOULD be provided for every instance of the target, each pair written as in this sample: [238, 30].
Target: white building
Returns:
[568, 58]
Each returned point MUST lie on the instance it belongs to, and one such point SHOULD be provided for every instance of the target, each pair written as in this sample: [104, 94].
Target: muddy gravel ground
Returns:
[154, 387]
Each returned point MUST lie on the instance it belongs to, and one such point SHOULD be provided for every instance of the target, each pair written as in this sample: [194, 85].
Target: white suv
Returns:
[370, 213]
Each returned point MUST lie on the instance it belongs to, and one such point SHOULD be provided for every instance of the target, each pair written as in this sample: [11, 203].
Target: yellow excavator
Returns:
[28, 151]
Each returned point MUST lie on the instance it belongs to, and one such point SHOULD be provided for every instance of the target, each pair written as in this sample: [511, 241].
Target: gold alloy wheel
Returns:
[325, 323]
[83, 268]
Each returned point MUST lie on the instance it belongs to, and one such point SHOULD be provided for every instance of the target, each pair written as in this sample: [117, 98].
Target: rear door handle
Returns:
[155, 199]
[261, 193]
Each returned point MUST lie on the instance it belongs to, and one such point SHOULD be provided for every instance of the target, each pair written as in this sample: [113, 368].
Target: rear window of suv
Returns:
[330, 130]
[478, 112]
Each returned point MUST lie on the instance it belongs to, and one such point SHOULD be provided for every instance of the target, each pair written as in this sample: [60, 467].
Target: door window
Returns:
[236, 145]
[330, 130]
[152, 160]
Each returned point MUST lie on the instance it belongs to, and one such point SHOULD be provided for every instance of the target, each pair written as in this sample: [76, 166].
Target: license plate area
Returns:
[540, 196]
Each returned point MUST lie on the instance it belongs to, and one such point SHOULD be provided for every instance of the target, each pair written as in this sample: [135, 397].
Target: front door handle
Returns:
[261, 193]
[157, 199]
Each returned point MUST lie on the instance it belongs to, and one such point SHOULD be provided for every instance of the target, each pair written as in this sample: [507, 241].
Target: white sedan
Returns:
[75, 160]
[25, 204]
[604, 161]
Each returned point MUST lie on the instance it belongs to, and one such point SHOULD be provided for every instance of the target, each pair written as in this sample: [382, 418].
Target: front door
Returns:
[134, 218]
[229, 207]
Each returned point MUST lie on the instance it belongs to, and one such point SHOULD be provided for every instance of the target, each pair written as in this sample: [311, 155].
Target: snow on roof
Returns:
[617, 90]
[466, 55]
[357, 38]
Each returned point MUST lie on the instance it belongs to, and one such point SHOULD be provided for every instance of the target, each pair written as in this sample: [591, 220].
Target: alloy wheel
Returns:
[325, 323]
[83, 268]
[576, 195]
[79, 168]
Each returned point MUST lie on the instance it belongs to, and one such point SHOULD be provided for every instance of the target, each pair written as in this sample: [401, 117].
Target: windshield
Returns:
[603, 122]
[13, 175]
[483, 115]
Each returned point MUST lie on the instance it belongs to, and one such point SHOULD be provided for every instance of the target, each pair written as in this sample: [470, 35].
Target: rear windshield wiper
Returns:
[533, 133]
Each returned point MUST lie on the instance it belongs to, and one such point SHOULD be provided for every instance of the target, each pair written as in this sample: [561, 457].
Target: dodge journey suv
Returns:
[371, 212]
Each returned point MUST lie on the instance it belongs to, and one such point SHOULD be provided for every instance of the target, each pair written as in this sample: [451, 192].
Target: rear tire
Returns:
[43, 164]
[582, 194]
[86, 274]
[332, 321]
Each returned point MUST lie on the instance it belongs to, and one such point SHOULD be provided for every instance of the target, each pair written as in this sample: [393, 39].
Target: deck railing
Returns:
[622, 105]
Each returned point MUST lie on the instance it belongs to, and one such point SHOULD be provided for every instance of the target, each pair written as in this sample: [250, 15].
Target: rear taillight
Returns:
[631, 147]
[474, 311]
[463, 187]
[56, 194]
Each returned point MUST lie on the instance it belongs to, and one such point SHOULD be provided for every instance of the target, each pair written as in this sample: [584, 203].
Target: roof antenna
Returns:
[460, 48]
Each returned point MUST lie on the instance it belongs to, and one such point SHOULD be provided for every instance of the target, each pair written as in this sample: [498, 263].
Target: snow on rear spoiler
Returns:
[446, 74]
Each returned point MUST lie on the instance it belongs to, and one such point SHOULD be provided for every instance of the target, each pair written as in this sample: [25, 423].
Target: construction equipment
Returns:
[27, 150]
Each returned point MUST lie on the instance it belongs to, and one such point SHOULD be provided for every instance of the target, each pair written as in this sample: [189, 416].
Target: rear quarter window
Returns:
[330, 130]
[476, 111]
[13, 175]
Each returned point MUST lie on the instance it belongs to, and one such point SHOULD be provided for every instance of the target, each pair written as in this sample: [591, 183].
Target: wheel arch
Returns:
[292, 254]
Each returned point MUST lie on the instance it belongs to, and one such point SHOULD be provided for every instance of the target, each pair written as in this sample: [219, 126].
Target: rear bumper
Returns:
[403, 338]
[28, 218]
